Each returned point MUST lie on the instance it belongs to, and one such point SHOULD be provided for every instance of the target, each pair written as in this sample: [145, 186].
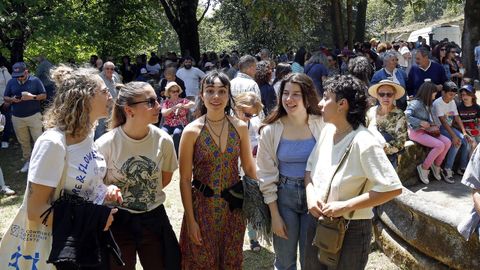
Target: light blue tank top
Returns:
[293, 155]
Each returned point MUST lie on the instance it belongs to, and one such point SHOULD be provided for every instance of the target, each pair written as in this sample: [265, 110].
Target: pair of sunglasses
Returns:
[249, 115]
[385, 94]
[150, 102]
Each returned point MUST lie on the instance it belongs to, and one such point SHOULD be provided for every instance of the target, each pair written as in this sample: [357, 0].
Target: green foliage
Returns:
[383, 14]
[276, 25]
[74, 29]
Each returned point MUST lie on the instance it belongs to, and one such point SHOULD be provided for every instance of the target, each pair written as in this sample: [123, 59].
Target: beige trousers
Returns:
[24, 128]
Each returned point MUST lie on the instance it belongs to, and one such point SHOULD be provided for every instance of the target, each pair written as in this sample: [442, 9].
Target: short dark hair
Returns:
[423, 51]
[353, 90]
[246, 62]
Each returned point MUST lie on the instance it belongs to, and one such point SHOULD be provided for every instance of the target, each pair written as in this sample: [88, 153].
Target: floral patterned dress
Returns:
[222, 231]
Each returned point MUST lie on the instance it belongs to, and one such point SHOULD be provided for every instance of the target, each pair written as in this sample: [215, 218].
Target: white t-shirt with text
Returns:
[85, 171]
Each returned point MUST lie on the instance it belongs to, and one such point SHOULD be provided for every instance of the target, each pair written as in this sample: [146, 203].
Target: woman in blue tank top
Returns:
[285, 144]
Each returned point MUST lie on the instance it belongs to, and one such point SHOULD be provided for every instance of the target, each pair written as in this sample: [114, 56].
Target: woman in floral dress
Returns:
[212, 232]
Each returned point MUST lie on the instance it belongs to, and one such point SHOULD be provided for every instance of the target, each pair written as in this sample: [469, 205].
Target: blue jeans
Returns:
[452, 153]
[292, 205]
[176, 133]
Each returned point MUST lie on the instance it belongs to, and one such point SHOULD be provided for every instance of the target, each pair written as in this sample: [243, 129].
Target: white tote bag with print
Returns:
[26, 245]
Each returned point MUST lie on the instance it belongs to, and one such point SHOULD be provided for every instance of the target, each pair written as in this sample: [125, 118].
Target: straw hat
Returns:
[169, 86]
[399, 90]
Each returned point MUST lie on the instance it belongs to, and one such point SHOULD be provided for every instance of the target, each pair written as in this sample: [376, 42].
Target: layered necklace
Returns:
[219, 135]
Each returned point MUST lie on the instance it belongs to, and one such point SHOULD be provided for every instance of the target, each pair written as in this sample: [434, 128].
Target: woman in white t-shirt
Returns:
[82, 98]
[363, 180]
[140, 160]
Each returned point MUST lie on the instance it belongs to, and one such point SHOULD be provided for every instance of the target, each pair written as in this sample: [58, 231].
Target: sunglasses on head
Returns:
[386, 94]
[150, 102]
[249, 115]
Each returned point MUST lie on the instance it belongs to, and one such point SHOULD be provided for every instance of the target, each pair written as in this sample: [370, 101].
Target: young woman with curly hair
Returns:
[65, 147]
[365, 178]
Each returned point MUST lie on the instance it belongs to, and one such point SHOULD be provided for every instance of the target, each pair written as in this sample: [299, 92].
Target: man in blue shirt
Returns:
[425, 69]
[25, 92]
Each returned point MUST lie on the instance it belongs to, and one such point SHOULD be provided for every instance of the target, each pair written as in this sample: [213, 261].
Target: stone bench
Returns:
[418, 229]
[408, 160]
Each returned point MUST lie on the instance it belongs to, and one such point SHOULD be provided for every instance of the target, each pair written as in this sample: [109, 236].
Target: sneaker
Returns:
[24, 169]
[436, 172]
[460, 171]
[447, 175]
[423, 174]
[4, 145]
[7, 191]
[255, 245]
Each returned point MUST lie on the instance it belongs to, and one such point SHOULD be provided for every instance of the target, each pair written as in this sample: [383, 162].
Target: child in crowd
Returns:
[247, 108]
[445, 113]
[469, 112]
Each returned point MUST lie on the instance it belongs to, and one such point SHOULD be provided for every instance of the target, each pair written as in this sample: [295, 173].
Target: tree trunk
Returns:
[182, 15]
[338, 37]
[350, 24]
[361, 20]
[17, 50]
[471, 37]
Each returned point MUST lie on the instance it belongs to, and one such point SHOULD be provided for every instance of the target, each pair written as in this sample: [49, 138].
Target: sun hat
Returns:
[169, 86]
[399, 90]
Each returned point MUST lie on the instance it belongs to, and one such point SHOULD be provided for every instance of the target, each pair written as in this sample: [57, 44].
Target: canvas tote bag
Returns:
[26, 245]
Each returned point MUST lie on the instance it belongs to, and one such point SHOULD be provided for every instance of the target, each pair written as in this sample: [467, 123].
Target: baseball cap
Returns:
[468, 88]
[450, 86]
[18, 69]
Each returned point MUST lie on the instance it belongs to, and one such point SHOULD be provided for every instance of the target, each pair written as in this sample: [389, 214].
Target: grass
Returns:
[10, 162]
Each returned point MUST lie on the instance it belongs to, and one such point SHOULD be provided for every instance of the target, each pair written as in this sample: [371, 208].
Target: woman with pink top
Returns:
[175, 111]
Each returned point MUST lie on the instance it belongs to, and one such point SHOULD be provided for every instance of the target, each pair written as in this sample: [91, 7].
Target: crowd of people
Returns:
[322, 131]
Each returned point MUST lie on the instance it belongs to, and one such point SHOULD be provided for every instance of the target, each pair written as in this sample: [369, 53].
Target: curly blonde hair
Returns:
[70, 110]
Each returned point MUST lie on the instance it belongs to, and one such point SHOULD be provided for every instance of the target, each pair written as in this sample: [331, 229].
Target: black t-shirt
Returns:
[469, 115]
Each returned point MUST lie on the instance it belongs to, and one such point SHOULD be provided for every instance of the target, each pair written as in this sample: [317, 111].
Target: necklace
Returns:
[213, 131]
[215, 121]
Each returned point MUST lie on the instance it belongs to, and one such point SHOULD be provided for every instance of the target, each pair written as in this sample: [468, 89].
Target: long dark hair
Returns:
[424, 93]
[309, 97]
[209, 80]
[353, 90]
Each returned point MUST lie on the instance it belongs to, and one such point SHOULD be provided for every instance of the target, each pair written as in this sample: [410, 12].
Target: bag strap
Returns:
[344, 157]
